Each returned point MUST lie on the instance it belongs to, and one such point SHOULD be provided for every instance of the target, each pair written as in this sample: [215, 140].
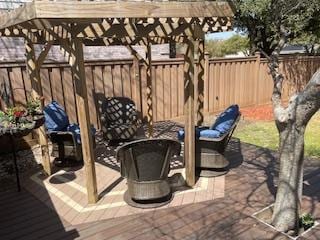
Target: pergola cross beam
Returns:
[113, 28]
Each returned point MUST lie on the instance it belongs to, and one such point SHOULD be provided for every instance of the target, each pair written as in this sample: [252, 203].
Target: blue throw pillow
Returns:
[56, 118]
[75, 129]
[210, 133]
[226, 119]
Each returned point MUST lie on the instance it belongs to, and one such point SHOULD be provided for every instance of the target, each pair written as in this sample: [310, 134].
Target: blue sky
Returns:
[221, 35]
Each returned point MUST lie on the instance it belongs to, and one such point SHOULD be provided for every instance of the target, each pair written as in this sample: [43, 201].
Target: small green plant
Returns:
[34, 106]
[2, 115]
[307, 221]
[15, 113]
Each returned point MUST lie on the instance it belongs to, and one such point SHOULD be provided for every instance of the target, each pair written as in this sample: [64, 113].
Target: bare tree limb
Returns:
[309, 99]
[273, 63]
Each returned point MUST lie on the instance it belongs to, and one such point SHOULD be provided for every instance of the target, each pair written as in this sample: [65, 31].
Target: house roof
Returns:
[13, 50]
[6, 5]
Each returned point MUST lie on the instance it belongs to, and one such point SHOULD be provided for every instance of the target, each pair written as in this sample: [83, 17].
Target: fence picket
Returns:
[243, 80]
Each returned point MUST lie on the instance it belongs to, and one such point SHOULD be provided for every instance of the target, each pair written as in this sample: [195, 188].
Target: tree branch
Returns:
[309, 99]
[293, 8]
[273, 64]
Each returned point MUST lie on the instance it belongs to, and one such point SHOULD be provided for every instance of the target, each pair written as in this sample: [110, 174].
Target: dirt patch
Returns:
[265, 216]
[263, 113]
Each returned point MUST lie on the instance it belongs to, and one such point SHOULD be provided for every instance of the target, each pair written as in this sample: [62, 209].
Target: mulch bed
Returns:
[263, 113]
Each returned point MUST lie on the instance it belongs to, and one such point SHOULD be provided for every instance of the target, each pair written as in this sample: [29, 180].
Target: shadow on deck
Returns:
[218, 208]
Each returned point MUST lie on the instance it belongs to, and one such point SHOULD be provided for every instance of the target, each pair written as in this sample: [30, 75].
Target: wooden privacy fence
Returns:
[244, 81]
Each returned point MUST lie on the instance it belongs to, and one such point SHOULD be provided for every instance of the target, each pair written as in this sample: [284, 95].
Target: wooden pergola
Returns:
[71, 24]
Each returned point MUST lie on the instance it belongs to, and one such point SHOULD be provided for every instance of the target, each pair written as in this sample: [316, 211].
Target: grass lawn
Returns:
[265, 134]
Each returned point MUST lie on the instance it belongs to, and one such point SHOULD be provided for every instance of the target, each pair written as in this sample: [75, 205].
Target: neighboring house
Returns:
[240, 54]
[287, 50]
[11, 4]
[293, 49]
[12, 49]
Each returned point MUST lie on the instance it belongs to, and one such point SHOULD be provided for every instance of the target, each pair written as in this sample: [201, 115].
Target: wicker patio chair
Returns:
[65, 137]
[119, 118]
[146, 164]
[211, 143]
[210, 159]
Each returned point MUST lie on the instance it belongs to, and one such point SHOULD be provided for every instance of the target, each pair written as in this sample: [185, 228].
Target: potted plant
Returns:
[16, 121]
[3, 118]
[34, 109]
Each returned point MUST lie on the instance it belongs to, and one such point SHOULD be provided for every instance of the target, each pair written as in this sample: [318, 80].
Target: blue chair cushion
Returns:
[75, 129]
[56, 118]
[209, 133]
[226, 119]
[181, 135]
[197, 132]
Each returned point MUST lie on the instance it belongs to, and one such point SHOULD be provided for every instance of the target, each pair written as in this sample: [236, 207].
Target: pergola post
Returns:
[33, 68]
[189, 141]
[77, 65]
[149, 91]
[148, 64]
[200, 82]
[136, 76]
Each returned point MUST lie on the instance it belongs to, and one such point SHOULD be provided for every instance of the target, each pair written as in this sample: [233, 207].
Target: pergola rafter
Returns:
[72, 24]
[115, 28]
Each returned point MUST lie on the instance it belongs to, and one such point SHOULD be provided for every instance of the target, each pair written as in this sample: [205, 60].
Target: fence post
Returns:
[256, 76]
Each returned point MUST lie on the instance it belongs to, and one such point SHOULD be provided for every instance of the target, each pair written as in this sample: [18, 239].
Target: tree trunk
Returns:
[287, 206]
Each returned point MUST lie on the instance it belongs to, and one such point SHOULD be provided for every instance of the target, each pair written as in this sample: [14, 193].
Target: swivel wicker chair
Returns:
[210, 160]
[146, 164]
[119, 118]
[211, 143]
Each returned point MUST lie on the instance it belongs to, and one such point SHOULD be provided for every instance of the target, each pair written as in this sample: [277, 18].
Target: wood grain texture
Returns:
[200, 82]
[189, 139]
[121, 9]
[78, 70]
[149, 90]
[242, 74]
[16, 16]
[35, 79]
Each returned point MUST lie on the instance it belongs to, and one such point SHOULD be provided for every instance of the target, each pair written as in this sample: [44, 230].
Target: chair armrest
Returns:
[60, 133]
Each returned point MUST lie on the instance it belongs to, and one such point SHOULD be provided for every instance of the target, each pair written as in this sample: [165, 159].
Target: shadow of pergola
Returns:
[250, 185]
[106, 152]
[22, 215]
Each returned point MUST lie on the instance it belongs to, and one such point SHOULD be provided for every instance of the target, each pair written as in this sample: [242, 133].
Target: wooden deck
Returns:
[247, 188]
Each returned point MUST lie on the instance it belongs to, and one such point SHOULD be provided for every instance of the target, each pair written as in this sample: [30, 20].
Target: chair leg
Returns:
[60, 160]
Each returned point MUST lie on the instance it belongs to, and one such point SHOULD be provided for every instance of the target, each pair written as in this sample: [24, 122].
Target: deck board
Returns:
[249, 187]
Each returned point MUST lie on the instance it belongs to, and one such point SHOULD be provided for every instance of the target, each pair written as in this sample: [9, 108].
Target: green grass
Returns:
[265, 134]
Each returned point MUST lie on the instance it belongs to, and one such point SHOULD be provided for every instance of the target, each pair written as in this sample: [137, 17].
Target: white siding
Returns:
[11, 4]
